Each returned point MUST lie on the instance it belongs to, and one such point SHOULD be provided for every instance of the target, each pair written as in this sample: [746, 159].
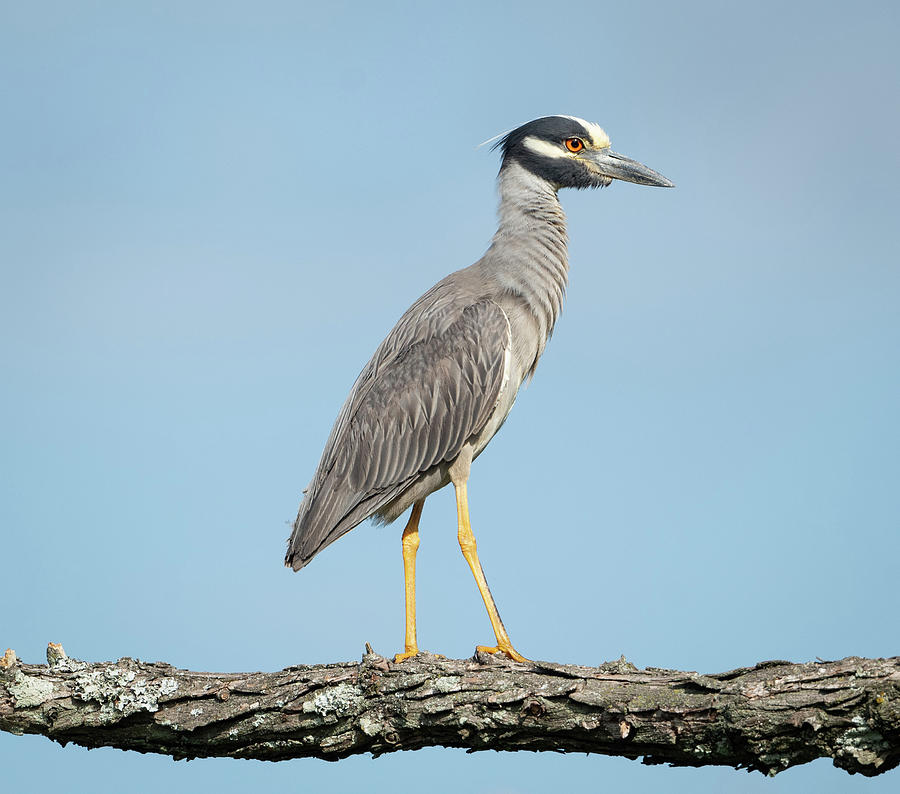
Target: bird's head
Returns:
[571, 152]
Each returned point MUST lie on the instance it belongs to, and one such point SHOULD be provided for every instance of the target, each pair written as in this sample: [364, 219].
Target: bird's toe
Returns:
[506, 650]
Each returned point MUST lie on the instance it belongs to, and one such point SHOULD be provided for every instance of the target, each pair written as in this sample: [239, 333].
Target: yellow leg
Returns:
[410, 546]
[469, 550]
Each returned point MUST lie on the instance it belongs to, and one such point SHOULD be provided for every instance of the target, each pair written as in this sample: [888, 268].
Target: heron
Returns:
[443, 381]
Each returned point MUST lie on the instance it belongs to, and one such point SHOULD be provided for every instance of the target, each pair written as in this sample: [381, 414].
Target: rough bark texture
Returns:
[768, 717]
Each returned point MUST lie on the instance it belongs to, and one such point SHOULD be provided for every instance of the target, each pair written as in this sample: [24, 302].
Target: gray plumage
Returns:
[443, 381]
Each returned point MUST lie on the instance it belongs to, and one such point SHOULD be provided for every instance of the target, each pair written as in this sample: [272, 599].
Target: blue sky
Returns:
[210, 215]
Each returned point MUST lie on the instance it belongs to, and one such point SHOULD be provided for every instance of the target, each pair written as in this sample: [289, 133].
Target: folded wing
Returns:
[430, 388]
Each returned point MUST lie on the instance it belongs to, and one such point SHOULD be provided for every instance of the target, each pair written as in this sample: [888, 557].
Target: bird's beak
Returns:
[617, 166]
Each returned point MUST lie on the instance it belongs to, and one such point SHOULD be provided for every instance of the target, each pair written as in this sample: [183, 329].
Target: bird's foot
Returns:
[410, 653]
[506, 649]
[407, 654]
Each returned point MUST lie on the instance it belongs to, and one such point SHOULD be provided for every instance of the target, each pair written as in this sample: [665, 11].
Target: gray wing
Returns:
[431, 386]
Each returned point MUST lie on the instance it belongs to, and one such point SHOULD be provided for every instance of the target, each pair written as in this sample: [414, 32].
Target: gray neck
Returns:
[527, 261]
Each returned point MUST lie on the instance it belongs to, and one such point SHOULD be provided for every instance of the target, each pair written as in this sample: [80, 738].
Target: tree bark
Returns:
[768, 717]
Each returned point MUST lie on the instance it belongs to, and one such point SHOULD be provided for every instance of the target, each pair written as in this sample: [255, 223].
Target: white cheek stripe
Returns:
[544, 148]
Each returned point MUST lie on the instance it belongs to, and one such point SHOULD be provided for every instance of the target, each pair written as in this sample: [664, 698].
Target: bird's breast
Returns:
[518, 360]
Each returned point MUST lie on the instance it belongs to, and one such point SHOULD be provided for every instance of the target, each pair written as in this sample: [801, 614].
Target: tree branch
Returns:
[768, 717]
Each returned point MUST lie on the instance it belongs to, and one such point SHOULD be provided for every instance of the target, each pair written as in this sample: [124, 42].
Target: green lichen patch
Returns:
[29, 691]
[120, 691]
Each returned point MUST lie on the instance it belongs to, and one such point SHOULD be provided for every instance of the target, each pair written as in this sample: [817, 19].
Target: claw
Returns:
[407, 654]
[506, 650]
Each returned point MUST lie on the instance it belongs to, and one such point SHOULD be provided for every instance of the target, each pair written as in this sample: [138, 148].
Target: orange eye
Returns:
[574, 145]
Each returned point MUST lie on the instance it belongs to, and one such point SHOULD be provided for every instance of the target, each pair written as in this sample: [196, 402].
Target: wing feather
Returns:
[431, 387]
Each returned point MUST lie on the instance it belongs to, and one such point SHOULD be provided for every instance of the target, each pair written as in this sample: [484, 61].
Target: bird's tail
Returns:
[312, 531]
[326, 513]
[294, 558]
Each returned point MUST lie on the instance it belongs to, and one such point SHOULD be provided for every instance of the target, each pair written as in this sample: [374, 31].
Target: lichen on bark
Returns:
[768, 717]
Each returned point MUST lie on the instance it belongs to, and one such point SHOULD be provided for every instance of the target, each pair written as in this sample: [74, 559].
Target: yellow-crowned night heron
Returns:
[443, 381]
